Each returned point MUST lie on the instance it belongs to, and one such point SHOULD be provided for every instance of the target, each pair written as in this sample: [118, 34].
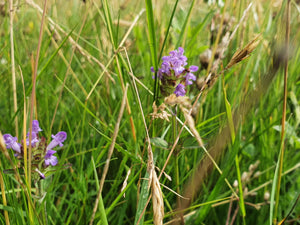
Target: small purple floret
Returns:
[35, 126]
[34, 139]
[180, 91]
[189, 77]
[50, 158]
[11, 142]
[58, 139]
[40, 173]
[193, 68]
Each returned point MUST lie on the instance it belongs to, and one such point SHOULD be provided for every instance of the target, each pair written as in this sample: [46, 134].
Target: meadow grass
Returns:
[229, 161]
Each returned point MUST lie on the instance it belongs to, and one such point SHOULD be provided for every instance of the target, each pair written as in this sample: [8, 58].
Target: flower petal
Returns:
[11, 142]
[193, 68]
[180, 91]
[58, 139]
[35, 126]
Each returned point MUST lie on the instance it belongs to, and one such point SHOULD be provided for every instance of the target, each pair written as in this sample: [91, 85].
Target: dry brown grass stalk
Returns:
[13, 70]
[124, 185]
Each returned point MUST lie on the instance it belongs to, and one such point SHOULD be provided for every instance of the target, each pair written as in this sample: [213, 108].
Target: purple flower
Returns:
[40, 173]
[193, 68]
[11, 142]
[173, 71]
[50, 158]
[179, 90]
[175, 61]
[58, 139]
[35, 126]
[34, 139]
[188, 78]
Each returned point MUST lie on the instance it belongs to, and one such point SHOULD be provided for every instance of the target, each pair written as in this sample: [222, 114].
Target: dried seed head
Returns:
[157, 200]
[257, 174]
[244, 53]
[245, 192]
[200, 83]
[180, 100]
[245, 177]
[267, 196]
[195, 109]
[235, 183]
[164, 115]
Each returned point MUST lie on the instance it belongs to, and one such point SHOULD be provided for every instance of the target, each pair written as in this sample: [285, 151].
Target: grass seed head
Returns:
[157, 200]
[244, 53]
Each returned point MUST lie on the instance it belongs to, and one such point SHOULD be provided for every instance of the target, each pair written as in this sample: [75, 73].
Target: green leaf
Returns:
[159, 142]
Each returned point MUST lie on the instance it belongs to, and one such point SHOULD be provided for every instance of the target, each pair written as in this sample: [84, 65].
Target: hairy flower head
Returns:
[173, 74]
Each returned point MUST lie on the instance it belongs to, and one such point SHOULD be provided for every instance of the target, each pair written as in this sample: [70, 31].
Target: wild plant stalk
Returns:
[32, 106]
[286, 66]
[13, 70]
[177, 175]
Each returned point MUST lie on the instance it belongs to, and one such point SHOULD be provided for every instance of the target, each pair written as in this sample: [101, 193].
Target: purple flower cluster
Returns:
[42, 154]
[173, 75]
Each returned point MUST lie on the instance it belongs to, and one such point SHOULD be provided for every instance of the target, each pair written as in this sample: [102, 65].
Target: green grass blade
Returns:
[183, 29]
[168, 29]
[109, 23]
[233, 140]
[101, 205]
[274, 188]
[152, 43]
[190, 46]
[142, 201]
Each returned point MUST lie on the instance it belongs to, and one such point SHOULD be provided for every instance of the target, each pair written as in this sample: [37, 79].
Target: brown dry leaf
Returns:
[244, 53]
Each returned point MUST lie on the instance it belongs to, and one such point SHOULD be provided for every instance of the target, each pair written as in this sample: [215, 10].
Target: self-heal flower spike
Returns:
[11, 142]
[173, 74]
[58, 139]
[50, 158]
[42, 156]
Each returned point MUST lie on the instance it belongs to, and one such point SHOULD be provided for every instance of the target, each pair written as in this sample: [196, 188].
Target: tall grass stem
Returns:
[286, 66]
[13, 70]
